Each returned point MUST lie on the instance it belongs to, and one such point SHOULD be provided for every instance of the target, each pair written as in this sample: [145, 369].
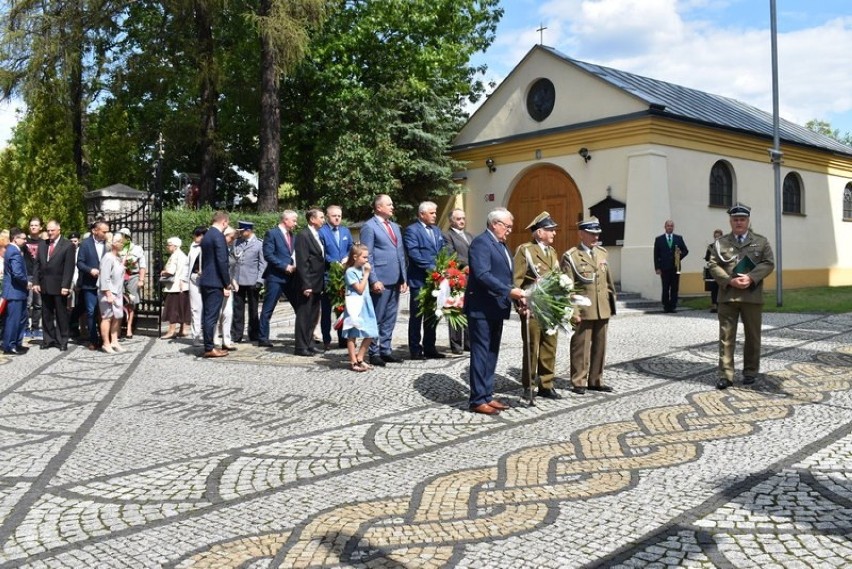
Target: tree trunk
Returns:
[209, 102]
[270, 125]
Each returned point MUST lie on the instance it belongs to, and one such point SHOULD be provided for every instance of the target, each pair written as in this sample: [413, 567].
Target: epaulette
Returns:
[601, 248]
[571, 251]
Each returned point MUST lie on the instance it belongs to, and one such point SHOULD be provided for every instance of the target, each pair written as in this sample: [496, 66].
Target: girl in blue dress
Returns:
[359, 316]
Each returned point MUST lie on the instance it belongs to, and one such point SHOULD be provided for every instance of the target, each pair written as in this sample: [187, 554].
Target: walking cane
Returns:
[528, 356]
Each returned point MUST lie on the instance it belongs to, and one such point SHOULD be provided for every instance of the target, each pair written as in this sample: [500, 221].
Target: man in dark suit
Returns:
[336, 239]
[383, 240]
[669, 250]
[15, 287]
[278, 251]
[457, 241]
[423, 241]
[88, 267]
[54, 271]
[310, 273]
[487, 303]
[214, 282]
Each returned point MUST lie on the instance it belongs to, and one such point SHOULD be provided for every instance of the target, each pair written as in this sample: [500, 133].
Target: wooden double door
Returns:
[546, 188]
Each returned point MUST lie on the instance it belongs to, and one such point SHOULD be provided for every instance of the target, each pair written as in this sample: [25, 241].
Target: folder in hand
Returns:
[744, 267]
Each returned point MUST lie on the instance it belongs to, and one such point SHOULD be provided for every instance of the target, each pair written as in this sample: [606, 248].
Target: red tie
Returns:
[50, 249]
[289, 241]
[390, 232]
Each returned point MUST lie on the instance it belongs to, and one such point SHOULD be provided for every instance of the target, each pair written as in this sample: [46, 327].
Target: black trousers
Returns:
[55, 318]
[247, 295]
[671, 284]
[307, 313]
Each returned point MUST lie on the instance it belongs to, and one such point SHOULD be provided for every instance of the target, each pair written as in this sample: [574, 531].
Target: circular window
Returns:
[540, 99]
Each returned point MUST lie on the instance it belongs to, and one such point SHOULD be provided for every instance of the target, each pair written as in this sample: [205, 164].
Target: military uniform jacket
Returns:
[542, 263]
[728, 252]
[595, 278]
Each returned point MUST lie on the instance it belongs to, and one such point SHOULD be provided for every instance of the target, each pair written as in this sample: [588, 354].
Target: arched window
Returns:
[792, 202]
[847, 202]
[721, 184]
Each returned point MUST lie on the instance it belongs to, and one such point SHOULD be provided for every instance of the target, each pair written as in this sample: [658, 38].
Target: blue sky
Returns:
[719, 46]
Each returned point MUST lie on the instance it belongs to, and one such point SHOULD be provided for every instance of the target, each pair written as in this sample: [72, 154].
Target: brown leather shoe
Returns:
[485, 409]
[497, 405]
[214, 353]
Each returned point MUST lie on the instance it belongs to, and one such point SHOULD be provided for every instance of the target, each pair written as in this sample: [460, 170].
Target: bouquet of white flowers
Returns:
[552, 300]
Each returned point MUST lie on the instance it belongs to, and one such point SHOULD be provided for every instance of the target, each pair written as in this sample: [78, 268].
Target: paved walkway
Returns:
[156, 457]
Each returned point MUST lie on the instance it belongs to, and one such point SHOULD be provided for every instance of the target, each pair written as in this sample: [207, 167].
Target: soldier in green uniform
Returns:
[587, 265]
[739, 262]
[534, 260]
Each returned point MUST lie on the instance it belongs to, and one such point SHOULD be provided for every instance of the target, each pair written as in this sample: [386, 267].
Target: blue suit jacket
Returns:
[422, 250]
[88, 259]
[278, 255]
[386, 259]
[15, 274]
[334, 251]
[214, 260]
[490, 279]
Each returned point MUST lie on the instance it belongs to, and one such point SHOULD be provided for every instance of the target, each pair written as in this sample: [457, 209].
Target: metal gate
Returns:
[145, 223]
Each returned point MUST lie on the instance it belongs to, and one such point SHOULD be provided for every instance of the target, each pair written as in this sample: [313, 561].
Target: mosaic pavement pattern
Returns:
[158, 458]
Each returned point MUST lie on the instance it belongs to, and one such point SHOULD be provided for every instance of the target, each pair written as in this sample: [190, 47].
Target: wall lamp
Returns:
[490, 164]
[584, 152]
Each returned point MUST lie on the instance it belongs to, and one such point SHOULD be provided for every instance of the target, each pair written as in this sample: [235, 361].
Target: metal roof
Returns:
[699, 106]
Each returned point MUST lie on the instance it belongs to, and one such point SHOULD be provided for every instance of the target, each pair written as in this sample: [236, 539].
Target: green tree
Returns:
[377, 101]
[59, 49]
[824, 127]
[283, 27]
[37, 175]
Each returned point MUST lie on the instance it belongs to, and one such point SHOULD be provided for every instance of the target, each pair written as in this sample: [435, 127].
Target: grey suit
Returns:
[248, 274]
[460, 245]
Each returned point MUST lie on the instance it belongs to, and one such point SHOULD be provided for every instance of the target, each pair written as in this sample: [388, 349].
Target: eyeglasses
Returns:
[504, 224]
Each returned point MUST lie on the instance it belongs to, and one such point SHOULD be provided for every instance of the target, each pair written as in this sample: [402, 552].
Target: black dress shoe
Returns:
[604, 388]
[548, 393]
[12, 352]
[391, 359]
[723, 383]
[313, 351]
[264, 344]
[341, 344]
[749, 379]
[418, 357]
[63, 348]
[458, 352]
[304, 353]
[578, 390]
[377, 361]
[435, 356]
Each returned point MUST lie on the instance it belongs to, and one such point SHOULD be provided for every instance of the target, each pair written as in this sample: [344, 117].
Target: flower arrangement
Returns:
[335, 288]
[442, 294]
[131, 266]
[552, 300]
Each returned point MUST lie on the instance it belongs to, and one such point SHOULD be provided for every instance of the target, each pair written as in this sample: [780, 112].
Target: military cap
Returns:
[245, 226]
[542, 221]
[740, 210]
[591, 224]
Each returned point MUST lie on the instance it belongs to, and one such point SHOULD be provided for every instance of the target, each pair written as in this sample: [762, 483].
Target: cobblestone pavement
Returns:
[156, 457]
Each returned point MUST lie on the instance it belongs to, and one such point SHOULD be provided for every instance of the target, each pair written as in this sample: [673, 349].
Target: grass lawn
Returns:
[831, 300]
